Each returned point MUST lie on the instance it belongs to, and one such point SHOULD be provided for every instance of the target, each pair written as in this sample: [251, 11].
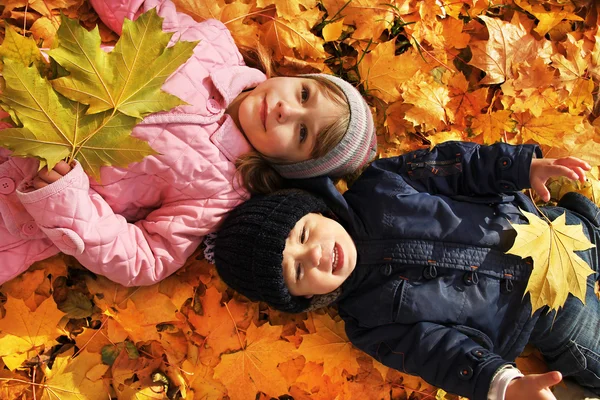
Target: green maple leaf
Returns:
[55, 128]
[89, 114]
[128, 78]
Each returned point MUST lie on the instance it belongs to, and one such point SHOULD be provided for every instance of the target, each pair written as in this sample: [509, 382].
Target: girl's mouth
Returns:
[263, 113]
[337, 258]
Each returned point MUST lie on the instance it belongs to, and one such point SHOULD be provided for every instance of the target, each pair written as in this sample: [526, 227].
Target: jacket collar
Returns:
[230, 82]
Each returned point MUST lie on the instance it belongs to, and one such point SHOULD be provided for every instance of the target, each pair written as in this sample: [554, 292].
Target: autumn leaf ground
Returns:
[517, 71]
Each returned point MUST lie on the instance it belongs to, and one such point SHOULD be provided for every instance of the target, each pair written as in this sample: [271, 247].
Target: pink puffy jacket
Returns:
[139, 224]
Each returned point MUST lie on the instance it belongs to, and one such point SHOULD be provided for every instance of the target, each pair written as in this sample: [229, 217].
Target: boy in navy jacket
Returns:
[414, 257]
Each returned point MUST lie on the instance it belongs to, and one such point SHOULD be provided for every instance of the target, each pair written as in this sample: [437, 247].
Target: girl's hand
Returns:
[533, 387]
[543, 169]
[45, 177]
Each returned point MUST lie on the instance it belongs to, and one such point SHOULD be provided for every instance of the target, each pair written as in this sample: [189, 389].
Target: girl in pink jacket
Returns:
[239, 132]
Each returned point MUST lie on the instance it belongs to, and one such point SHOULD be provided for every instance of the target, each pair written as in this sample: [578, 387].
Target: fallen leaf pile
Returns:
[518, 71]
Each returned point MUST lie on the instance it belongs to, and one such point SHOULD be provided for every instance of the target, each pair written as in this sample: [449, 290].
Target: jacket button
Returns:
[465, 373]
[7, 186]
[505, 162]
[213, 106]
[471, 278]
[386, 269]
[29, 228]
[430, 272]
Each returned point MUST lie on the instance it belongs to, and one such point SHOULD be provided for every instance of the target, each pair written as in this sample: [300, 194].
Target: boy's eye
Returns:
[298, 272]
[303, 133]
[303, 236]
[305, 94]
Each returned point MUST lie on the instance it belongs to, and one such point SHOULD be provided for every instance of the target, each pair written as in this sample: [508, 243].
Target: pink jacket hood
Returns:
[139, 224]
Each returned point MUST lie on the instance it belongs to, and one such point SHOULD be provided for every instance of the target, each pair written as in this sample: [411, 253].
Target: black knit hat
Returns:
[250, 243]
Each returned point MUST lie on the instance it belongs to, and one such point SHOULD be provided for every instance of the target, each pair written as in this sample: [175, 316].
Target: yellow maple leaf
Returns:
[509, 43]
[429, 99]
[383, 72]
[75, 378]
[463, 102]
[231, 14]
[550, 128]
[370, 18]
[202, 383]
[557, 270]
[329, 345]
[293, 37]
[493, 125]
[22, 330]
[548, 19]
[254, 368]
[288, 9]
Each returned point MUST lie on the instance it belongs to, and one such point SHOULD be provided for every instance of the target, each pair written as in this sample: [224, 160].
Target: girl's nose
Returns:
[286, 111]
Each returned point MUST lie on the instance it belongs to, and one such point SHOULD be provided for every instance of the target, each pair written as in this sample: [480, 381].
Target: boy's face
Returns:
[318, 257]
[283, 117]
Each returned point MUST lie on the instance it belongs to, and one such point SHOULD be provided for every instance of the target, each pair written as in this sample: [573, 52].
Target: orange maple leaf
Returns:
[254, 368]
[329, 345]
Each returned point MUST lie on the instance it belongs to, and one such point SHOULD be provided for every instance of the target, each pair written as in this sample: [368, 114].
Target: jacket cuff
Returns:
[74, 178]
[513, 167]
[488, 370]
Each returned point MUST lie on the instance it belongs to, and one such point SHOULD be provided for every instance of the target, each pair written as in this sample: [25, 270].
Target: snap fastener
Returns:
[67, 241]
[7, 186]
[29, 228]
[386, 269]
[471, 278]
[477, 353]
[465, 373]
[505, 162]
[430, 272]
[506, 185]
[213, 106]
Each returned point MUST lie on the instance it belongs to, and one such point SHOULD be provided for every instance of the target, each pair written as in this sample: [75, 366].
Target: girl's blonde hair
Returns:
[255, 171]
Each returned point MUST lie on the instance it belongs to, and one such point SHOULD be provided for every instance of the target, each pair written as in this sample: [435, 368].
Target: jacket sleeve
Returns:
[442, 356]
[114, 12]
[463, 168]
[80, 223]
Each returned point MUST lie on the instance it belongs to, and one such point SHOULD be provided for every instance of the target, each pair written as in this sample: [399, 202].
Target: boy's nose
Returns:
[313, 256]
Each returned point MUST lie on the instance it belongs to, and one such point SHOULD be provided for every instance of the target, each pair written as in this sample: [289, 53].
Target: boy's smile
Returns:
[318, 257]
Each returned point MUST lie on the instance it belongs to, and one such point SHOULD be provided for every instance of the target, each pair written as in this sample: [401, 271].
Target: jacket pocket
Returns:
[477, 336]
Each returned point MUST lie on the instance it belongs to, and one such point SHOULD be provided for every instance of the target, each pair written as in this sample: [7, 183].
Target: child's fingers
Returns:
[49, 176]
[541, 189]
[573, 162]
[548, 379]
[38, 183]
[62, 168]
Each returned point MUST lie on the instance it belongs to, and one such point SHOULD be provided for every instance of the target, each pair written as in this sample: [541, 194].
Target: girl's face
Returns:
[318, 257]
[282, 117]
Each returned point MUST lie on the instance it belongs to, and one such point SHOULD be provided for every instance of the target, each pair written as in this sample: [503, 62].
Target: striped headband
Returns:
[357, 147]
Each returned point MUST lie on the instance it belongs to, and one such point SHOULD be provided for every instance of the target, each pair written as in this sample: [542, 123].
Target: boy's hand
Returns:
[45, 177]
[533, 387]
[543, 169]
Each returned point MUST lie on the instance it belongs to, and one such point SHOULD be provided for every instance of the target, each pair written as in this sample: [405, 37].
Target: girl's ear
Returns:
[308, 296]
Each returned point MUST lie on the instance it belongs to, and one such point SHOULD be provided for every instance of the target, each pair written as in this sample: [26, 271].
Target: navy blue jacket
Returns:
[433, 293]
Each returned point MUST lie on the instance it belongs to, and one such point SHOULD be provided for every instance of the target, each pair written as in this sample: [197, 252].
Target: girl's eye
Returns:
[298, 272]
[303, 236]
[305, 94]
[303, 133]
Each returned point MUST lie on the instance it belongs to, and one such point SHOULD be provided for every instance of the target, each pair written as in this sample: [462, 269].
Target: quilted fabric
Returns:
[138, 225]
